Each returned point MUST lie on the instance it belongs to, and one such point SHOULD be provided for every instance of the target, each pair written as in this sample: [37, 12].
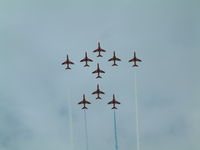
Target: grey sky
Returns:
[35, 37]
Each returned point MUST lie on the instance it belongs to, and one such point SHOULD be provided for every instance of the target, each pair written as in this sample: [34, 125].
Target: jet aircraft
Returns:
[86, 60]
[84, 102]
[135, 59]
[98, 71]
[114, 59]
[99, 50]
[68, 62]
[98, 92]
[114, 102]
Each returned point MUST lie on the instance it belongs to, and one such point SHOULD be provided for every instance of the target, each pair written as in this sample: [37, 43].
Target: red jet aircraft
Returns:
[98, 70]
[114, 58]
[86, 59]
[135, 59]
[84, 102]
[67, 62]
[114, 102]
[98, 92]
[99, 50]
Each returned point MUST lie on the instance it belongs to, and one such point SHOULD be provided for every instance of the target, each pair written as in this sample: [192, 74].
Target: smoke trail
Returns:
[70, 120]
[115, 131]
[86, 131]
[136, 113]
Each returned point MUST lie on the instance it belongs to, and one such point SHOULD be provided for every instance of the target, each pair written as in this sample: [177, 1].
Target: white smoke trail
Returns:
[71, 130]
[115, 131]
[136, 112]
[86, 131]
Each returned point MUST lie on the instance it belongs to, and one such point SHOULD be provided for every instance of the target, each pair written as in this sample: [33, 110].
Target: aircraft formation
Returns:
[99, 71]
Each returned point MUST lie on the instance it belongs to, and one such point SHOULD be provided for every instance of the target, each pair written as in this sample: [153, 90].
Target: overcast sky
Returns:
[35, 37]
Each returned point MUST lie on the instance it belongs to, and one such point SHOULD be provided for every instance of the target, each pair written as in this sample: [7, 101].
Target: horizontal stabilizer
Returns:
[98, 97]
[67, 68]
[114, 108]
[99, 55]
[84, 107]
[114, 65]
[98, 77]
[86, 65]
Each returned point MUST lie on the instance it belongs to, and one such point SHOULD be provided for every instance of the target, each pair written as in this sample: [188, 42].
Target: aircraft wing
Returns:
[64, 63]
[102, 50]
[70, 62]
[116, 102]
[111, 59]
[131, 60]
[82, 60]
[118, 59]
[95, 92]
[138, 59]
[96, 50]
[101, 92]
[81, 102]
[101, 71]
[96, 71]
[111, 102]
[86, 102]
[89, 60]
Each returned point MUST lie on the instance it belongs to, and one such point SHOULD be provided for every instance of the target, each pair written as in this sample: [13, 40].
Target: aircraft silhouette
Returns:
[86, 59]
[67, 62]
[114, 102]
[98, 92]
[98, 71]
[135, 59]
[114, 59]
[99, 50]
[84, 102]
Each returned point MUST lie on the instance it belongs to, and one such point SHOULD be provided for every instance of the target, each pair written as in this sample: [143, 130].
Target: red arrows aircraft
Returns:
[135, 59]
[114, 58]
[98, 92]
[114, 102]
[86, 59]
[99, 50]
[67, 62]
[84, 101]
[98, 70]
